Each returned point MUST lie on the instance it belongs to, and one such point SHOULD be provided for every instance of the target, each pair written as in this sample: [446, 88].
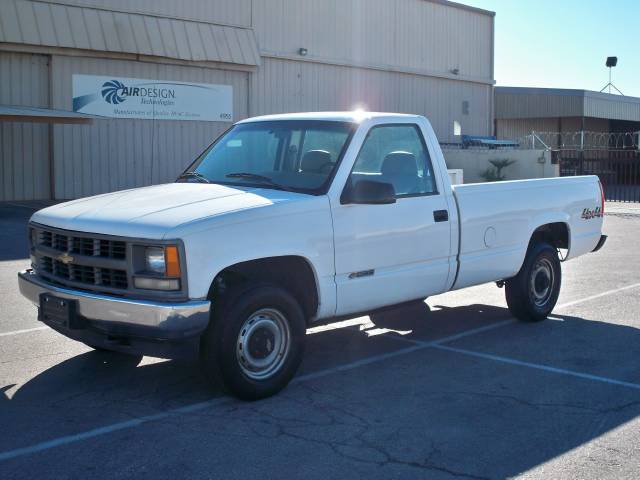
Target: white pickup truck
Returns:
[289, 219]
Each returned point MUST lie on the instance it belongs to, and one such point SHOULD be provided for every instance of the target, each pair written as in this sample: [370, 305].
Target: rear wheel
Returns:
[255, 341]
[533, 292]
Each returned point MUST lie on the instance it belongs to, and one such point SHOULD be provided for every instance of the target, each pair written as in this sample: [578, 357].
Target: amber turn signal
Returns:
[173, 261]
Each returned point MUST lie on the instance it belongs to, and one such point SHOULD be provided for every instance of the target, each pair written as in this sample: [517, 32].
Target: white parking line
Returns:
[537, 366]
[26, 330]
[599, 295]
[114, 427]
[417, 345]
[135, 422]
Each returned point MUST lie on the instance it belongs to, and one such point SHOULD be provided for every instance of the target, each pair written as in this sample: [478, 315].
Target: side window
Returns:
[396, 154]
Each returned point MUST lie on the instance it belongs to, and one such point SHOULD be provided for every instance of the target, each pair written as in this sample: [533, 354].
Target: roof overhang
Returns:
[17, 113]
[85, 28]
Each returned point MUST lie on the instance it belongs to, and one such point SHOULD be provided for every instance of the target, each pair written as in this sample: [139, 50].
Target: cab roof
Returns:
[354, 116]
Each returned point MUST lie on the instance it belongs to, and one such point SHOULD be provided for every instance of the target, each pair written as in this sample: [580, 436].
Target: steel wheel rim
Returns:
[541, 282]
[263, 343]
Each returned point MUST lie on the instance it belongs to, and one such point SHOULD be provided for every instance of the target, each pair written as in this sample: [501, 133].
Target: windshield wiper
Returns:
[258, 177]
[198, 176]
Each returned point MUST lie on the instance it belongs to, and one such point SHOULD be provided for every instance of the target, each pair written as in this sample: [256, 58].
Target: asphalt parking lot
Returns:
[449, 388]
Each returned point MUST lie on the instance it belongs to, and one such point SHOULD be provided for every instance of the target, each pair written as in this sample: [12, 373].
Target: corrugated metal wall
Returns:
[541, 105]
[292, 86]
[120, 153]
[24, 147]
[411, 34]
[235, 12]
[48, 24]
[387, 55]
[616, 108]
[521, 102]
[516, 128]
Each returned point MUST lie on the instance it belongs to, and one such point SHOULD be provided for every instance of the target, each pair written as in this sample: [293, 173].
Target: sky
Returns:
[564, 43]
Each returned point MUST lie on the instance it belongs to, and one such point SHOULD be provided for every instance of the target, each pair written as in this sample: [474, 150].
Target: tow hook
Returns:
[500, 283]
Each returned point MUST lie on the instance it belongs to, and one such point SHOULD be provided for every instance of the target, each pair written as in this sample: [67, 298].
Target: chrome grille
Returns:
[90, 262]
[108, 277]
[83, 245]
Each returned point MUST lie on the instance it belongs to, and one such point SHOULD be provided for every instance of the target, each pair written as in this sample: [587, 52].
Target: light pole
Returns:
[611, 62]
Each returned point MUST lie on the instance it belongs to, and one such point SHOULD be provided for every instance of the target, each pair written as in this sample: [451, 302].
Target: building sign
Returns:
[120, 97]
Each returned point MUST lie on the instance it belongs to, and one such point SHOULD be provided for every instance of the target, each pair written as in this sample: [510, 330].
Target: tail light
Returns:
[601, 198]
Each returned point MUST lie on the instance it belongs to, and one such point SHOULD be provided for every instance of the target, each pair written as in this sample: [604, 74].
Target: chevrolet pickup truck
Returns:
[285, 220]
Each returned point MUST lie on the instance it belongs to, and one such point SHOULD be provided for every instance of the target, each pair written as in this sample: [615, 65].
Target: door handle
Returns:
[440, 216]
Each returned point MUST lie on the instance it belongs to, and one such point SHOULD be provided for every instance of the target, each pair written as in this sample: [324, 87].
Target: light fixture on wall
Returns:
[303, 51]
[455, 71]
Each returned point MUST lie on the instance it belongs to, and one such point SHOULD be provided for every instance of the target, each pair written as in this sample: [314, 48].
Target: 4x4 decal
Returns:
[588, 214]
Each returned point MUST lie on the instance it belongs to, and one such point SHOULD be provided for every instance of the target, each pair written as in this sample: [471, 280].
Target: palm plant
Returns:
[494, 174]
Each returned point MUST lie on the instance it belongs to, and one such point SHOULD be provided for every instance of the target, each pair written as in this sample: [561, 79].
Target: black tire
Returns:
[235, 324]
[533, 292]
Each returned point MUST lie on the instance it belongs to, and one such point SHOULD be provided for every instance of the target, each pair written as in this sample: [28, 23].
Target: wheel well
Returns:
[556, 234]
[290, 272]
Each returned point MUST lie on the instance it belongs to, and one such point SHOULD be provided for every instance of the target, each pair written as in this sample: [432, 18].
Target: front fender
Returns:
[301, 229]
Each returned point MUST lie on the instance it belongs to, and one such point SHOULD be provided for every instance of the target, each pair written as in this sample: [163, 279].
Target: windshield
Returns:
[298, 155]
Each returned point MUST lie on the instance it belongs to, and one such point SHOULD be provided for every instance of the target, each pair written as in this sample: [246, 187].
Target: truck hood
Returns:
[150, 212]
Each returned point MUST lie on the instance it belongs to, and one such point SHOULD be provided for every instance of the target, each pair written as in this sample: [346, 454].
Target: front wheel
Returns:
[533, 292]
[255, 341]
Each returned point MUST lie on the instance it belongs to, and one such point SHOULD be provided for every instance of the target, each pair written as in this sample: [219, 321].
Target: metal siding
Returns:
[119, 153]
[510, 105]
[230, 12]
[615, 109]
[10, 24]
[93, 27]
[47, 24]
[410, 34]
[290, 86]
[62, 26]
[44, 21]
[28, 24]
[24, 147]
[514, 102]
[516, 129]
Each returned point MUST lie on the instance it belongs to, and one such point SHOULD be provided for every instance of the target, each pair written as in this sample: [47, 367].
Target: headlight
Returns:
[161, 269]
[155, 260]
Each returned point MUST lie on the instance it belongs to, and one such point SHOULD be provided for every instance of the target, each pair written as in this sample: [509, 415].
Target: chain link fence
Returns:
[613, 156]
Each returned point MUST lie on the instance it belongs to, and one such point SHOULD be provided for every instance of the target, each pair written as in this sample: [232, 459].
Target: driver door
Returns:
[391, 253]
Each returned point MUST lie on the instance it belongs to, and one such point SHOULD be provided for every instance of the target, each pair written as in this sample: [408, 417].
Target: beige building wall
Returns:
[234, 12]
[293, 86]
[115, 154]
[24, 147]
[426, 37]
[428, 57]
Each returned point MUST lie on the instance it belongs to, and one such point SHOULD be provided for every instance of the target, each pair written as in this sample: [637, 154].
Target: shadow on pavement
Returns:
[13, 228]
[473, 417]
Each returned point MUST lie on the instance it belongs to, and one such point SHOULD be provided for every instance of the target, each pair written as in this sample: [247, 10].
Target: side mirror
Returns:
[369, 192]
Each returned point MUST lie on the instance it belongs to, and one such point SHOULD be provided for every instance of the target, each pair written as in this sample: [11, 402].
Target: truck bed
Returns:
[496, 221]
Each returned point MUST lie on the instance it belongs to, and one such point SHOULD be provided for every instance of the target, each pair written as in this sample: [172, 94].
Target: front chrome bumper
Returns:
[125, 316]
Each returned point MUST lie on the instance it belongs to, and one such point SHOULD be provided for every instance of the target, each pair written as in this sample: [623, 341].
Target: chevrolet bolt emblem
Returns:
[65, 258]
